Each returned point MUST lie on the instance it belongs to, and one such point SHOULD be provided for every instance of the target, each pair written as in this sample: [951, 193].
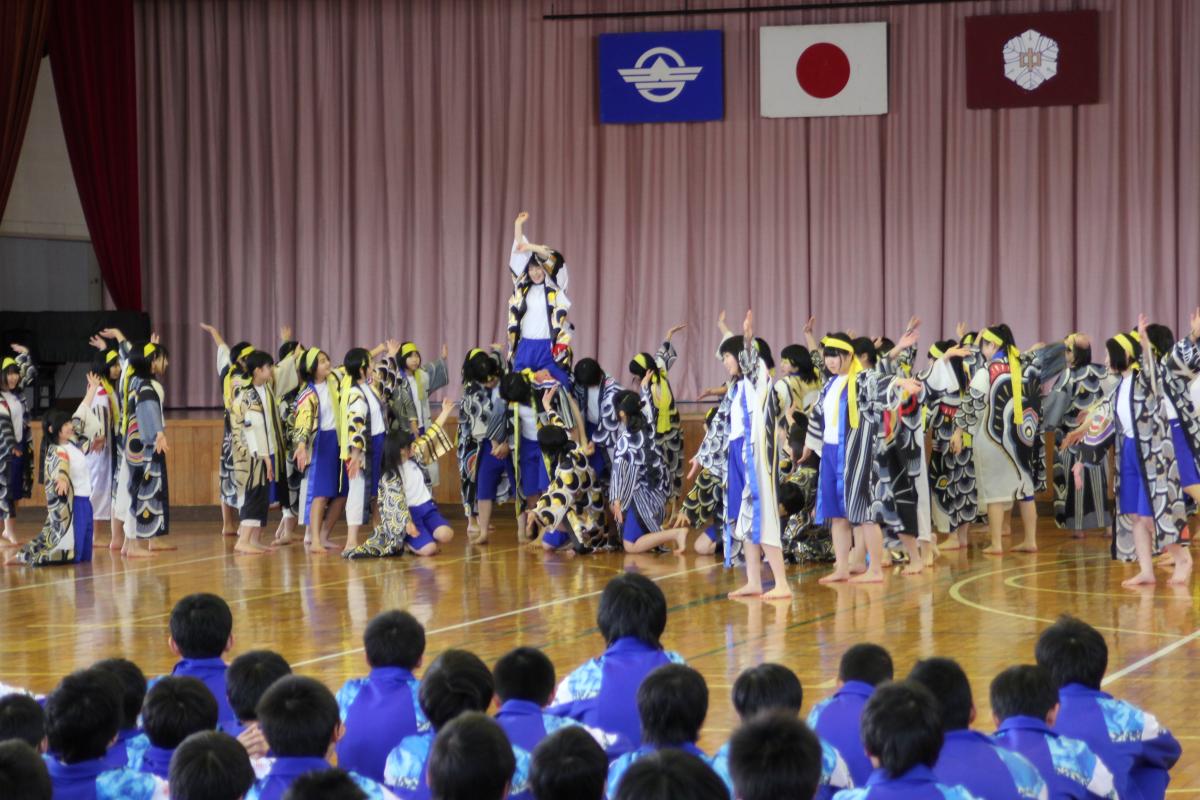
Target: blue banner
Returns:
[662, 77]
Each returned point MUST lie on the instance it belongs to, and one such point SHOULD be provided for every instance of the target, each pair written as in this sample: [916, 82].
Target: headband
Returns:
[851, 377]
[110, 356]
[407, 349]
[1126, 343]
[1014, 368]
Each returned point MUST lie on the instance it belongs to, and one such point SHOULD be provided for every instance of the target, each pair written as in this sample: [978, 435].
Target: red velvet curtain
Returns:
[92, 58]
[22, 44]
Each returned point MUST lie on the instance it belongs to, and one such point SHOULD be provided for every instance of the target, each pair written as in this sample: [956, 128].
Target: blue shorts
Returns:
[537, 354]
[427, 519]
[376, 464]
[556, 538]
[490, 471]
[831, 495]
[1188, 474]
[735, 481]
[534, 479]
[712, 533]
[83, 525]
[632, 528]
[324, 473]
[16, 477]
[1133, 499]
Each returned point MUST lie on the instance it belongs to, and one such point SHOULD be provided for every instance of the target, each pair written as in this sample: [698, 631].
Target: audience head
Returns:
[201, 626]
[299, 717]
[672, 703]
[248, 678]
[525, 674]
[1025, 690]
[210, 766]
[325, 784]
[456, 682]
[946, 681]
[133, 688]
[767, 687]
[774, 755]
[671, 774]
[866, 663]
[23, 773]
[1072, 652]
[632, 606]
[394, 639]
[176, 707]
[83, 715]
[902, 727]
[471, 760]
[568, 765]
[22, 718]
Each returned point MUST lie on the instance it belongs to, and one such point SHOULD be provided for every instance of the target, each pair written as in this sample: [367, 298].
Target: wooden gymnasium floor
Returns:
[986, 612]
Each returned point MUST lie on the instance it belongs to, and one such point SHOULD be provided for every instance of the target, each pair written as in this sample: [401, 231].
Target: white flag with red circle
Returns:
[823, 70]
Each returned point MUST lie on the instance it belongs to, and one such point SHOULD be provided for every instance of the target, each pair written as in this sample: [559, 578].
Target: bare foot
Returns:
[748, 590]
[681, 542]
[248, 549]
[1141, 579]
[1025, 547]
[913, 569]
[837, 576]
[951, 543]
[321, 549]
[870, 576]
[11, 537]
[1183, 571]
[781, 591]
[858, 569]
[138, 552]
[5, 543]
[283, 541]
[993, 551]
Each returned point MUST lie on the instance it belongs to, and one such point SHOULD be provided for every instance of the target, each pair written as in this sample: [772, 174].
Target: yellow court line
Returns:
[1014, 583]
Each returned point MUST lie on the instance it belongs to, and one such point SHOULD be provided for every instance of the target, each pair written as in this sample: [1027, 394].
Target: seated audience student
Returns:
[329, 784]
[175, 709]
[471, 759]
[23, 774]
[83, 715]
[133, 684]
[382, 709]
[775, 755]
[23, 718]
[210, 766]
[602, 693]
[672, 703]
[902, 733]
[1024, 708]
[1131, 742]
[524, 686]
[299, 717]
[671, 775]
[836, 719]
[970, 758]
[201, 634]
[774, 687]
[246, 681]
[457, 682]
[568, 765]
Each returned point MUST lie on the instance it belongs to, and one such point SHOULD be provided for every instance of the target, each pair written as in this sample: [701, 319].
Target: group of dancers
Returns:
[821, 456]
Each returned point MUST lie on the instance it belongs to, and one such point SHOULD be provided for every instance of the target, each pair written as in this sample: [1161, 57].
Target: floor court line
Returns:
[1150, 659]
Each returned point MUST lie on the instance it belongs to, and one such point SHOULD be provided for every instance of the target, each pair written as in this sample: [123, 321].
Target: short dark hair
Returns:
[671, 774]
[1073, 652]
[83, 715]
[357, 363]
[524, 674]
[201, 625]
[672, 703]
[568, 765]
[631, 404]
[176, 707]
[588, 372]
[902, 727]
[210, 766]
[471, 759]
[1025, 690]
[21, 717]
[801, 360]
[394, 639]
[298, 716]
[632, 605]
[946, 681]
[1161, 339]
[791, 497]
[23, 773]
[287, 348]
[774, 755]
[553, 439]
[325, 784]
[867, 663]
[133, 687]
[257, 360]
[515, 388]
[767, 687]
[456, 682]
[248, 678]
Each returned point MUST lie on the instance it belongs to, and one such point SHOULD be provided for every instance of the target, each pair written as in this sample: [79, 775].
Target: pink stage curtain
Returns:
[353, 169]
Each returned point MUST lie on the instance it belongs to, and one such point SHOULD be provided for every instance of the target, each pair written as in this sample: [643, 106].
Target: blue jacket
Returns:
[972, 760]
[379, 711]
[1069, 767]
[836, 720]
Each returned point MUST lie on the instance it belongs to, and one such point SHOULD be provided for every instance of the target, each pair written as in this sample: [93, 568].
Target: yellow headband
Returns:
[851, 377]
[8, 362]
[310, 358]
[1070, 340]
[245, 351]
[110, 356]
[148, 349]
[640, 360]
[837, 344]
[1127, 345]
[474, 351]
[407, 349]
[936, 351]
[1014, 370]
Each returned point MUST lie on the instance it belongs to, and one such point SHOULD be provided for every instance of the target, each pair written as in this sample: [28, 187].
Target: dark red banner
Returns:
[1048, 59]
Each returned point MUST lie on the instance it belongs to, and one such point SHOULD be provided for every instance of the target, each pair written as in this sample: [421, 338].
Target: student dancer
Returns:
[66, 538]
[292, 351]
[231, 372]
[651, 372]
[103, 453]
[259, 454]
[362, 430]
[704, 505]
[844, 427]
[596, 395]
[539, 333]
[17, 373]
[1180, 369]
[318, 456]
[414, 382]
[951, 472]
[641, 481]
[572, 507]
[146, 449]
[480, 375]
[1150, 507]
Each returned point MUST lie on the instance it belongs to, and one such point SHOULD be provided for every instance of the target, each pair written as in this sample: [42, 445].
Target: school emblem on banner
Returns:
[1050, 59]
[661, 77]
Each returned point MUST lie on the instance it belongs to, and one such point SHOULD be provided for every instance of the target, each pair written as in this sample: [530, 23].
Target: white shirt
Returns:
[268, 418]
[415, 491]
[81, 476]
[324, 407]
[832, 406]
[737, 428]
[593, 405]
[1172, 412]
[1124, 406]
[16, 410]
[1195, 391]
[376, 410]
[535, 322]
[528, 418]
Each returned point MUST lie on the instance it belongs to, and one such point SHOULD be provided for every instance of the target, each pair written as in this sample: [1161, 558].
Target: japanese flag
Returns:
[823, 70]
